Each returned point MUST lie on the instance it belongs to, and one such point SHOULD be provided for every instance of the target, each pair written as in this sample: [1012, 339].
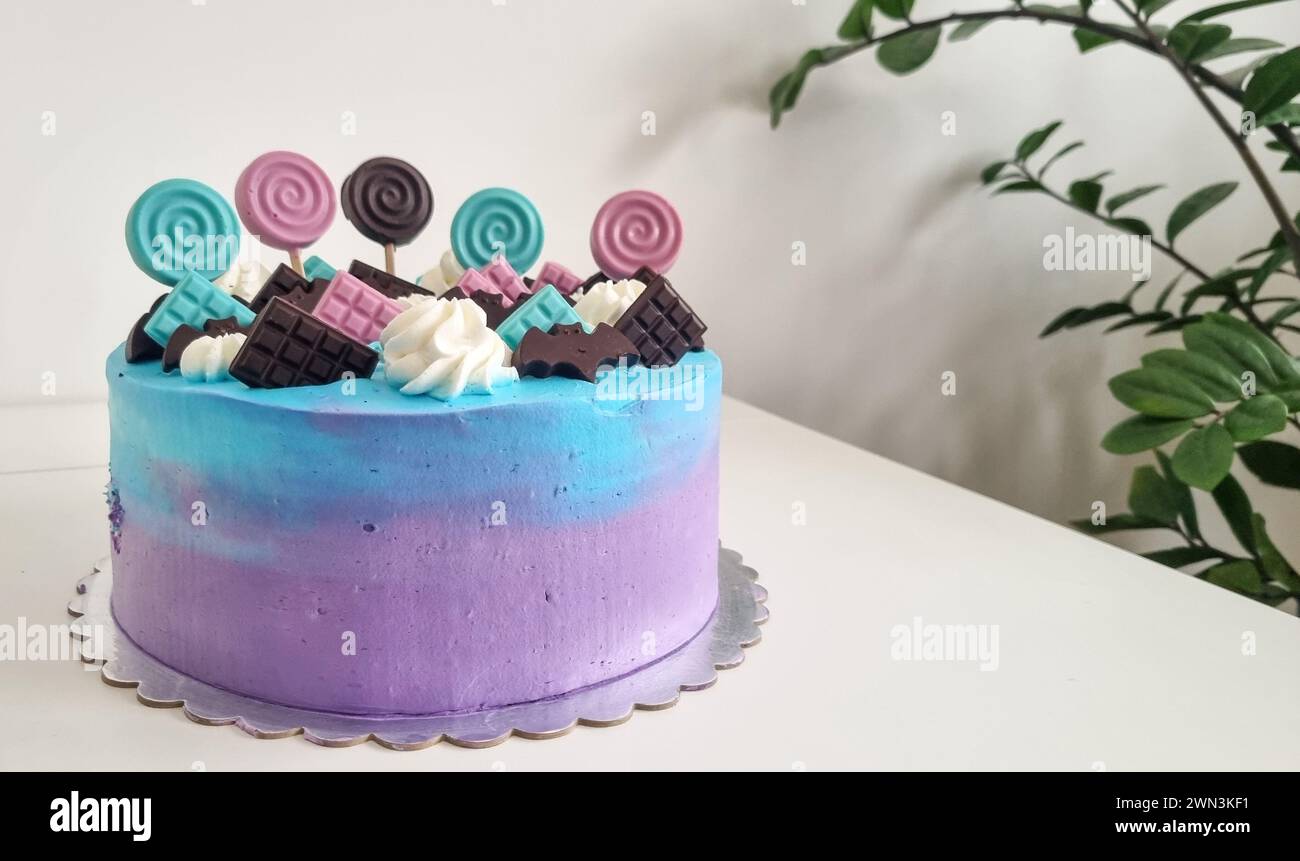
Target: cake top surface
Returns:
[375, 396]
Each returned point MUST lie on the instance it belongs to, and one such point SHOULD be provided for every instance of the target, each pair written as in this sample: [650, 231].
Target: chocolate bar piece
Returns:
[660, 323]
[287, 346]
[139, 346]
[390, 285]
[283, 281]
[568, 351]
[454, 293]
[224, 326]
[176, 344]
[542, 310]
[193, 300]
[559, 277]
[493, 305]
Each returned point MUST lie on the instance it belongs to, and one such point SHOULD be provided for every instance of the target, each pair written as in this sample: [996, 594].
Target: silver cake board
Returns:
[692, 667]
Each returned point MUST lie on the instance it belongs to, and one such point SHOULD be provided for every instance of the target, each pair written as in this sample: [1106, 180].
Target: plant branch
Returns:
[1280, 132]
[1287, 226]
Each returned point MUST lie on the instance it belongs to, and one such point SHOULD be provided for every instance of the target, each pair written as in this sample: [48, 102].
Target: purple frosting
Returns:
[371, 553]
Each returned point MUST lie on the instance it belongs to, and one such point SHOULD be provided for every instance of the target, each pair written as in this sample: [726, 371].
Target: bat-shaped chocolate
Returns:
[492, 306]
[224, 326]
[176, 344]
[139, 346]
[568, 351]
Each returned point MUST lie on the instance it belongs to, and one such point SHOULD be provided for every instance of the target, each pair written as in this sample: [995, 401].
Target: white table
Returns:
[1105, 660]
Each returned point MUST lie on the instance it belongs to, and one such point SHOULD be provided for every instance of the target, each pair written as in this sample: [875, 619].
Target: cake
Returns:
[449, 517]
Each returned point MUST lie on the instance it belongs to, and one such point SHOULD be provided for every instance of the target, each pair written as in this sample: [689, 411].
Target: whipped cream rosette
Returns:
[444, 348]
[605, 302]
[207, 359]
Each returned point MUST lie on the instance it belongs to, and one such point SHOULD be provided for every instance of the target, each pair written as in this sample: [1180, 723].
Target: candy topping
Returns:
[497, 221]
[387, 200]
[179, 225]
[444, 349]
[286, 199]
[635, 229]
[544, 309]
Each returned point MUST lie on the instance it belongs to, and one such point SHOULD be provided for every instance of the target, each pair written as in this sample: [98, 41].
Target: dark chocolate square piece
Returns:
[390, 285]
[283, 282]
[660, 323]
[287, 346]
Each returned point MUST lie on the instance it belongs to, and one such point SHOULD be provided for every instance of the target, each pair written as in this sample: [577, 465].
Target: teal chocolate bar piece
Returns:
[193, 301]
[542, 310]
[313, 267]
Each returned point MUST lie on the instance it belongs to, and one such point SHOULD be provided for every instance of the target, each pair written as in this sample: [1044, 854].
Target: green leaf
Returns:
[1229, 349]
[1060, 321]
[966, 29]
[909, 51]
[1034, 141]
[1282, 313]
[1229, 47]
[1186, 505]
[1139, 320]
[1225, 8]
[1020, 185]
[786, 91]
[990, 173]
[1192, 40]
[1177, 557]
[1151, 7]
[1287, 115]
[1279, 361]
[896, 9]
[1274, 565]
[1240, 575]
[1136, 226]
[1238, 76]
[1169, 289]
[856, 26]
[1118, 523]
[1204, 457]
[1235, 507]
[1153, 498]
[1088, 40]
[1129, 196]
[1256, 418]
[1274, 84]
[1221, 285]
[1289, 394]
[1272, 462]
[1208, 375]
[1061, 153]
[1160, 393]
[1085, 194]
[1266, 270]
[1140, 433]
[1173, 325]
[1195, 205]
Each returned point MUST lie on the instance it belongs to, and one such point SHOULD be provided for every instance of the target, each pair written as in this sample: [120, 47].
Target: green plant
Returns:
[1234, 384]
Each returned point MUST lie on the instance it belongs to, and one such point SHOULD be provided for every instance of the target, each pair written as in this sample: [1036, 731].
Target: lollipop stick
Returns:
[390, 258]
[295, 260]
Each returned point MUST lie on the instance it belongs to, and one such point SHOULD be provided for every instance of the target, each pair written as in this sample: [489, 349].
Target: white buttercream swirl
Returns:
[444, 348]
[244, 279]
[207, 359]
[444, 276]
[605, 302]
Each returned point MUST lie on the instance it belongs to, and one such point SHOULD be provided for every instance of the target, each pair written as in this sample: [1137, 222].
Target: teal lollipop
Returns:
[497, 221]
[179, 225]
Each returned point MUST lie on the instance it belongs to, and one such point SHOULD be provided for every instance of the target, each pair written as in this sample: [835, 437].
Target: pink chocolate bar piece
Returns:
[507, 281]
[355, 308]
[474, 281]
[559, 277]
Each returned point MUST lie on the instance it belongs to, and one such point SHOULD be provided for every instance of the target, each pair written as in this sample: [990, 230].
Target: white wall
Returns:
[911, 270]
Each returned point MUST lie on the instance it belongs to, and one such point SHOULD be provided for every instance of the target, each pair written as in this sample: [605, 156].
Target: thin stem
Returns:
[1288, 228]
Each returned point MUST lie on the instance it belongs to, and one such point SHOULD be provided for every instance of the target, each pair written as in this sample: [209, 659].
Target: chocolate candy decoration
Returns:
[493, 305]
[454, 293]
[287, 346]
[568, 351]
[387, 200]
[660, 323]
[224, 326]
[390, 285]
[282, 282]
[182, 337]
[139, 346]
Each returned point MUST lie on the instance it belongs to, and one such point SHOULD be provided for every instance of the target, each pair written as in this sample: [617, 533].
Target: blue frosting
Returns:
[297, 455]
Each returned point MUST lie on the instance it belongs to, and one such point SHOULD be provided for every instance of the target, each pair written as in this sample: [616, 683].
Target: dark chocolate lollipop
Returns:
[389, 202]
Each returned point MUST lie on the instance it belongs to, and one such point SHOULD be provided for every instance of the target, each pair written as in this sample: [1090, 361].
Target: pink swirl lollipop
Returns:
[635, 229]
[287, 200]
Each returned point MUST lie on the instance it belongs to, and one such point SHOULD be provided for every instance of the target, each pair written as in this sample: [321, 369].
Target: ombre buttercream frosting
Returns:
[348, 548]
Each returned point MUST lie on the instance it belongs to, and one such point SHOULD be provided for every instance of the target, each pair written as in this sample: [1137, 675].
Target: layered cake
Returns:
[340, 490]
